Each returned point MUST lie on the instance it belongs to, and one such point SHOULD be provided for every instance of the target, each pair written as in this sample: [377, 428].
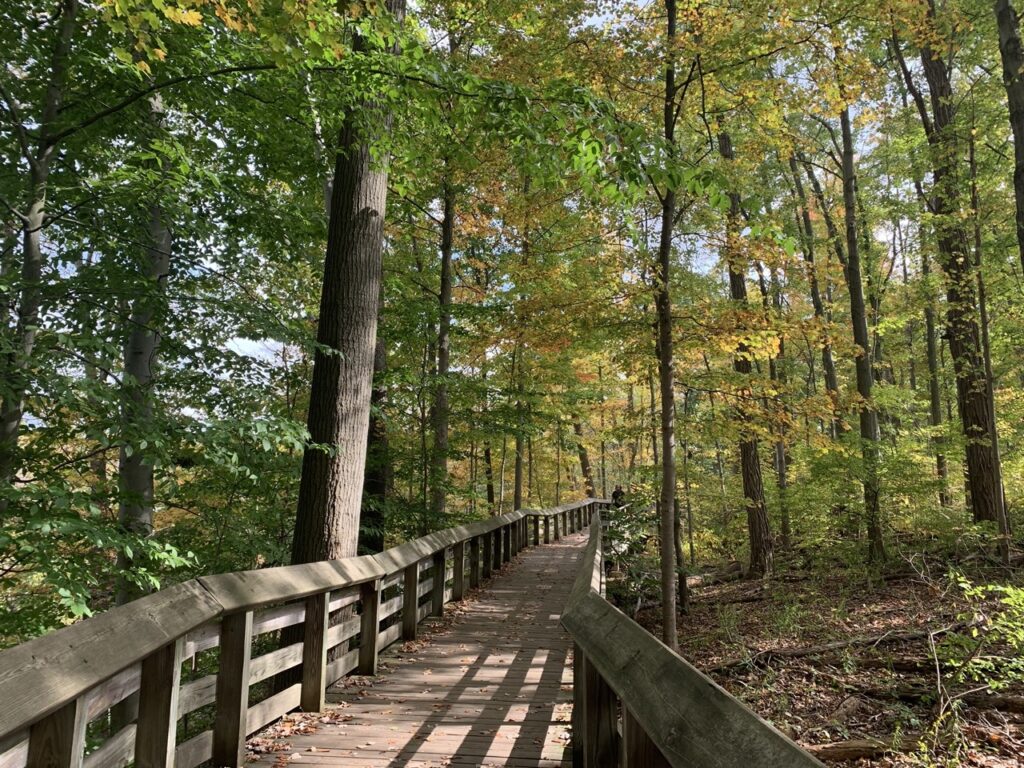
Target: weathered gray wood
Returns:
[506, 543]
[253, 589]
[437, 593]
[513, 535]
[113, 691]
[314, 652]
[278, 617]
[58, 740]
[232, 689]
[14, 750]
[488, 561]
[410, 601]
[41, 676]
[157, 724]
[556, 519]
[536, 530]
[197, 693]
[271, 708]
[116, 752]
[274, 662]
[598, 716]
[547, 530]
[638, 751]
[459, 571]
[370, 601]
[474, 562]
[498, 542]
[341, 666]
[196, 750]
[692, 720]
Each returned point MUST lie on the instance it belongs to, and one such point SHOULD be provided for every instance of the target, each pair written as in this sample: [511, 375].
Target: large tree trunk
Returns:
[973, 386]
[761, 549]
[1013, 79]
[489, 476]
[377, 481]
[581, 450]
[666, 366]
[858, 316]
[439, 411]
[331, 488]
[38, 155]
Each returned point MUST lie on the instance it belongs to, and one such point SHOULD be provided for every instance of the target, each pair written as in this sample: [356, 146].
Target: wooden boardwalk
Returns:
[490, 685]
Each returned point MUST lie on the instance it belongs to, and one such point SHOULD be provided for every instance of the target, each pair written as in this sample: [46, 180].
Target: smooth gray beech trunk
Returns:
[331, 488]
[439, 409]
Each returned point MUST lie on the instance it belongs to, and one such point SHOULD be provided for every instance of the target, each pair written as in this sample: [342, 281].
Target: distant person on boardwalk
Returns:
[618, 496]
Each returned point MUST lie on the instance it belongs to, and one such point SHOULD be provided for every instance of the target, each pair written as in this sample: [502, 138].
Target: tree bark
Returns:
[581, 450]
[758, 530]
[828, 365]
[439, 410]
[39, 156]
[1012, 54]
[378, 461]
[865, 376]
[331, 488]
[973, 386]
[666, 366]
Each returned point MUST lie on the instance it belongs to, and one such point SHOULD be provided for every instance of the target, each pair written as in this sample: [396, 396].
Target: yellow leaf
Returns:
[143, 66]
[159, 53]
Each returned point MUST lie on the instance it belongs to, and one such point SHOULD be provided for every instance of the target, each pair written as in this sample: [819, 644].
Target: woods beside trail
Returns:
[285, 282]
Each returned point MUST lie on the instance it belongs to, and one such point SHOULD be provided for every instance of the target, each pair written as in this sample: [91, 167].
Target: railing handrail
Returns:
[673, 714]
[43, 675]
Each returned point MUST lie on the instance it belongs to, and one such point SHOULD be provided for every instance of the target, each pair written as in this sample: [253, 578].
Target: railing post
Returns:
[437, 589]
[596, 727]
[506, 543]
[547, 529]
[536, 529]
[157, 726]
[474, 562]
[496, 564]
[314, 652]
[369, 598]
[410, 601]
[232, 690]
[638, 751]
[59, 739]
[488, 560]
[459, 570]
[556, 518]
[513, 532]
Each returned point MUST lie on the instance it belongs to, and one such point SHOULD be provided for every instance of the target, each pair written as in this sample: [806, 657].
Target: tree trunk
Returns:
[581, 449]
[331, 488]
[1012, 54]
[974, 394]
[759, 532]
[934, 388]
[666, 366]
[828, 365]
[378, 461]
[858, 316]
[489, 475]
[14, 380]
[439, 410]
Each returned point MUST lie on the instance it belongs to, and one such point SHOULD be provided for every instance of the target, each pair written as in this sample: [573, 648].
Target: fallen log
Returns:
[861, 749]
[766, 655]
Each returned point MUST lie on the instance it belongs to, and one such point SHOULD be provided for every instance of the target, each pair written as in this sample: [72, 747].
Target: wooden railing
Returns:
[637, 704]
[345, 611]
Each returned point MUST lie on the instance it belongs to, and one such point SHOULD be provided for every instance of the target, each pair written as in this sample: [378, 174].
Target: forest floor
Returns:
[849, 665]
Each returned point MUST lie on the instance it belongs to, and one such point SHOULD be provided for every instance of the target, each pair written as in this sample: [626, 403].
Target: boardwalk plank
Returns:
[488, 686]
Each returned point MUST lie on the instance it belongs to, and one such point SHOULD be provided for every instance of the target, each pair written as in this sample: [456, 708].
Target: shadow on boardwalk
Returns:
[488, 686]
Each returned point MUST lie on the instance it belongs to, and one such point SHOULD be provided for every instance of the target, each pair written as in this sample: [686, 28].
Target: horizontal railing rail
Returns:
[137, 655]
[638, 704]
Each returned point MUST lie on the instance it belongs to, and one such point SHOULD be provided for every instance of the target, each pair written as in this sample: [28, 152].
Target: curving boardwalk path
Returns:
[488, 686]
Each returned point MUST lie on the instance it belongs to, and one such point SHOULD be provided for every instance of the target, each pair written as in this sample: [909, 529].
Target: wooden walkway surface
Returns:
[490, 685]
